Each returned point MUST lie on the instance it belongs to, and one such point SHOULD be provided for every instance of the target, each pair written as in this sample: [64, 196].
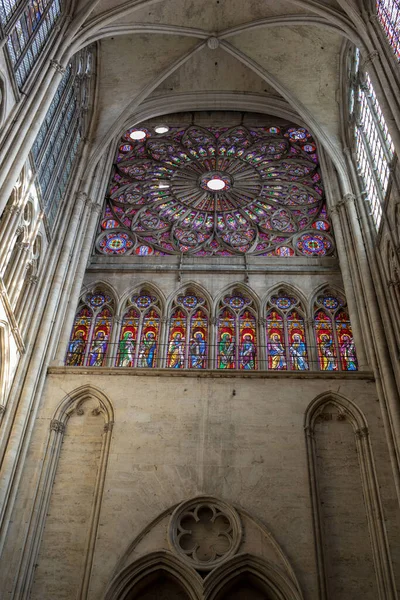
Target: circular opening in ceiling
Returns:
[216, 184]
[137, 135]
[161, 129]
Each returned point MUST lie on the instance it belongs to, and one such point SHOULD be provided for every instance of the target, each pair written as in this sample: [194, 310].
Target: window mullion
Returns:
[60, 159]
[378, 127]
[29, 41]
[370, 159]
[54, 120]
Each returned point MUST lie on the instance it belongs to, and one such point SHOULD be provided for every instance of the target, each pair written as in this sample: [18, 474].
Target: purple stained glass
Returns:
[214, 191]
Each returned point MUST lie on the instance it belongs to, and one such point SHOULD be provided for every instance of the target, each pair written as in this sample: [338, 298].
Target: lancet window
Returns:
[388, 12]
[333, 334]
[286, 341]
[373, 144]
[91, 331]
[188, 332]
[29, 34]
[139, 337]
[237, 333]
[58, 139]
[216, 191]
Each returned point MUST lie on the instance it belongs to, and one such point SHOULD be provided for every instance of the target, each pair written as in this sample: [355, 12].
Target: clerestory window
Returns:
[373, 144]
[388, 12]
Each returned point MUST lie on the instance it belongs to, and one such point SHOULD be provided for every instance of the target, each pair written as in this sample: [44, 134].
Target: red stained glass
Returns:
[79, 338]
[128, 338]
[247, 341]
[347, 349]
[226, 340]
[100, 338]
[177, 340]
[147, 357]
[327, 356]
[198, 340]
[276, 347]
[297, 342]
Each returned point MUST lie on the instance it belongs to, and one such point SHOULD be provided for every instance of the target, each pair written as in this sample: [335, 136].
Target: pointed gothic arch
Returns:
[330, 407]
[189, 328]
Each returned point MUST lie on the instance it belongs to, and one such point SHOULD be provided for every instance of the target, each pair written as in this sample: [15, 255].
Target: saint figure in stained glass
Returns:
[298, 353]
[226, 351]
[176, 354]
[126, 350]
[197, 351]
[79, 337]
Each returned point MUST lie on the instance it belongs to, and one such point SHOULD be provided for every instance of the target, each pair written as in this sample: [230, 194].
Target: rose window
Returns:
[216, 191]
[205, 532]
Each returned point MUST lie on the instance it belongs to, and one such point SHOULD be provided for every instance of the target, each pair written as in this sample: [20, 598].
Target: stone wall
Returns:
[240, 438]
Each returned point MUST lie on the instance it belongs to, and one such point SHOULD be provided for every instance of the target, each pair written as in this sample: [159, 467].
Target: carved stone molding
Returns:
[57, 66]
[205, 532]
[57, 426]
[108, 426]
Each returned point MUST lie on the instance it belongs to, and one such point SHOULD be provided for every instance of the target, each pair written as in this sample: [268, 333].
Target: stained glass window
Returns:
[188, 332]
[57, 141]
[388, 12]
[30, 34]
[237, 333]
[285, 334]
[140, 332]
[91, 331]
[216, 191]
[333, 334]
[374, 146]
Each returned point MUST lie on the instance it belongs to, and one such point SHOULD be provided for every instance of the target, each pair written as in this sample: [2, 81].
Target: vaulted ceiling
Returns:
[157, 52]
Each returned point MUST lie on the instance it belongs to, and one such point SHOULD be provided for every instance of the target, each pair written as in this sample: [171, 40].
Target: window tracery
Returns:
[373, 144]
[237, 333]
[29, 34]
[188, 332]
[285, 334]
[333, 334]
[388, 12]
[91, 331]
[186, 329]
[216, 191]
[59, 136]
[140, 332]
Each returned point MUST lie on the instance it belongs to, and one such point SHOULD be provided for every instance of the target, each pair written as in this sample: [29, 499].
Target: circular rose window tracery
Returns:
[208, 191]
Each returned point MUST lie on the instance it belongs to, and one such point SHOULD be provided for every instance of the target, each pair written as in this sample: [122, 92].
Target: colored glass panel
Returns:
[147, 356]
[100, 338]
[177, 340]
[128, 337]
[297, 342]
[276, 342]
[389, 16]
[198, 349]
[347, 349]
[226, 357]
[247, 341]
[327, 356]
[79, 338]
[268, 180]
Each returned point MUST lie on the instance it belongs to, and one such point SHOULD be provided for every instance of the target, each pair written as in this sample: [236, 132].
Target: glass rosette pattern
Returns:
[270, 200]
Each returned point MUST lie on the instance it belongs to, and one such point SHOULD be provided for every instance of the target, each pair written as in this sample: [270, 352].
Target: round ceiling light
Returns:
[161, 129]
[138, 134]
[216, 184]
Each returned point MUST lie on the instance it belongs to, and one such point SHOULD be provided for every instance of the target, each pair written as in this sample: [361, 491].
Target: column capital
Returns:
[2, 409]
[347, 198]
[96, 208]
[371, 57]
[57, 426]
[108, 426]
[57, 66]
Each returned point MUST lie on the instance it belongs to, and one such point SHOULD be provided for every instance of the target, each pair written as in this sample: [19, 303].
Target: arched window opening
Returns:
[286, 334]
[91, 331]
[244, 587]
[333, 334]
[237, 333]
[29, 34]
[373, 144]
[59, 136]
[388, 12]
[140, 332]
[188, 332]
[159, 585]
